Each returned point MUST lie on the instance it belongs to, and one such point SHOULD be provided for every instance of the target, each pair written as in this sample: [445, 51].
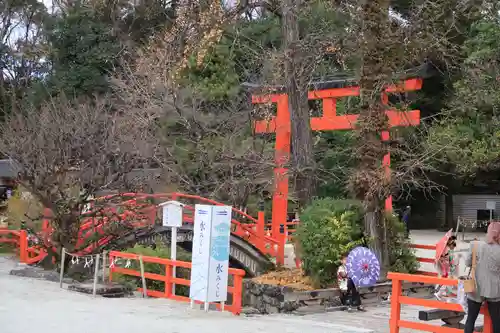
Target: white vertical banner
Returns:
[200, 260]
[219, 254]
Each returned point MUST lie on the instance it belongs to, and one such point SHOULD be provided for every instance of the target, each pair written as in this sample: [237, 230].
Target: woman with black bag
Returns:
[485, 267]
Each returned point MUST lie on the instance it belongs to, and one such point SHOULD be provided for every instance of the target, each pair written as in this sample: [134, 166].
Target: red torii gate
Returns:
[280, 124]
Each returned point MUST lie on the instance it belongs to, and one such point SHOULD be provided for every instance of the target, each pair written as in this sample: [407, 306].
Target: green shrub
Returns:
[402, 258]
[7, 248]
[328, 228]
[160, 251]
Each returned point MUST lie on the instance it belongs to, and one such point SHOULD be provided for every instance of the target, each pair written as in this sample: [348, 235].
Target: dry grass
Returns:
[293, 278]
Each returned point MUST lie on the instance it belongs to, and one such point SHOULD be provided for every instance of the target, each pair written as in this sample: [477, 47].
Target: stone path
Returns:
[29, 305]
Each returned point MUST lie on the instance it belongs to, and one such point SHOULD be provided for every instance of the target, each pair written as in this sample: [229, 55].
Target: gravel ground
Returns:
[29, 305]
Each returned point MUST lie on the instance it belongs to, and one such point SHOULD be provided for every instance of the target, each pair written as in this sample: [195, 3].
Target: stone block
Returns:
[269, 309]
[271, 301]
[105, 290]
[289, 306]
[272, 291]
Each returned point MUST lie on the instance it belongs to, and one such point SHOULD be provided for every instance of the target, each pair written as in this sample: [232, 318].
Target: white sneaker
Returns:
[437, 296]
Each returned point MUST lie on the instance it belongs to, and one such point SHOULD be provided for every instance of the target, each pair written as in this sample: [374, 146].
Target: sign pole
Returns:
[173, 254]
[61, 274]
[172, 217]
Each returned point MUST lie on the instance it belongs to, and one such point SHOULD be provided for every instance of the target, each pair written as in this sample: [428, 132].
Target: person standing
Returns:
[487, 279]
[406, 218]
[447, 267]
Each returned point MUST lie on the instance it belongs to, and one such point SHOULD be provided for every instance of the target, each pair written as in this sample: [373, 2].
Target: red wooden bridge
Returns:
[140, 210]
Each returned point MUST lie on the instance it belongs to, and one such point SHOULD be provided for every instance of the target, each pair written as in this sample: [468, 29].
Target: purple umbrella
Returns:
[363, 267]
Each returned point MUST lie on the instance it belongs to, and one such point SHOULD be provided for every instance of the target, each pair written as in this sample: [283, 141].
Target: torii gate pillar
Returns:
[280, 124]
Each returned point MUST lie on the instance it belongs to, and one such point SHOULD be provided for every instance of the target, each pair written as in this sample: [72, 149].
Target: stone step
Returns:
[109, 290]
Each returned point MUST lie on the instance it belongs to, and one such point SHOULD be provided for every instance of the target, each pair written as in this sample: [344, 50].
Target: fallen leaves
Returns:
[293, 278]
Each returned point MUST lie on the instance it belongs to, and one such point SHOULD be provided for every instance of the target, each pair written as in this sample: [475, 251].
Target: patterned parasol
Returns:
[363, 267]
[441, 245]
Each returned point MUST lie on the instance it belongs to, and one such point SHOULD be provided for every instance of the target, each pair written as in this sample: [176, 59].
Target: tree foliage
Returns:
[97, 88]
[328, 229]
[467, 138]
[83, 53]
[66, 152]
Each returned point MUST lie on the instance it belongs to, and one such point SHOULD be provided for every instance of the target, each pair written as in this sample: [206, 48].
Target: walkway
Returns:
[29, 305]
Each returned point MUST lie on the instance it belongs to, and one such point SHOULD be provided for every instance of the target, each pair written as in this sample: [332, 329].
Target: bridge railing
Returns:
[426, 260]
[288, 229]
[19, 239]
[145, 205]
[236, 275]
[397, 299]
[250, 229]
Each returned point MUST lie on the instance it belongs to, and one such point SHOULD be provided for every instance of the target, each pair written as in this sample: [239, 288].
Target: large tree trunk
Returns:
[65, 234]
[296, 79]
[370, 181]
[375, 227]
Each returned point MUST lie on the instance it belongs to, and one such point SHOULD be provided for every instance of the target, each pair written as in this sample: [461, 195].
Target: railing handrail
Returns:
[423, 246]
[241, 229]
[166, 261]
[397, 299]
[135, 196]
[422, 279]
[252, 232]
[236, 289]
[423, 259]
[21, 242]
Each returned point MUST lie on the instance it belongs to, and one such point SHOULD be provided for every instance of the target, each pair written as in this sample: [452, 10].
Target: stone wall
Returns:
[267, 299]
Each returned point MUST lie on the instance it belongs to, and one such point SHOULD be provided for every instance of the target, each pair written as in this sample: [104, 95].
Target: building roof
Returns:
[342, 80]
[8, 169]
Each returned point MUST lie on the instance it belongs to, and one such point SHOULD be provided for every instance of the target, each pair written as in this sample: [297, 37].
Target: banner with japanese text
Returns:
[219, 253]
[198, 290]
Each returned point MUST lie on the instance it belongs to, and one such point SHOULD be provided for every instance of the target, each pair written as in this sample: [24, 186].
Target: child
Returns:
[447, 267]
[454, 258]
[349, 294]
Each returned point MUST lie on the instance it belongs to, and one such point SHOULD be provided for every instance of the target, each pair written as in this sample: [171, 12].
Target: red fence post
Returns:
[395, 306]
[487, 324]
[280, 251]
[238, 293]
[111, 267]
[23, 246]
[261, 230]
[168, 280]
